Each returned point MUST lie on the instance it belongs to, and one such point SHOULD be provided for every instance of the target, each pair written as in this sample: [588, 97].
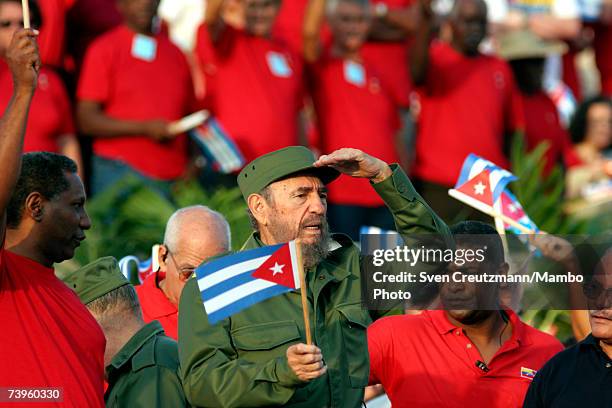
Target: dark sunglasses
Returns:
[9, 23]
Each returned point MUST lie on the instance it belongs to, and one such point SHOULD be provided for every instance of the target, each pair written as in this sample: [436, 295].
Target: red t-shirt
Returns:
[466, 106]
[289, 24]
[255, 89]
[50, 113]
[390, 58]
[425, 361]
[354, 108]
[132, 88]
[49, 339]
[542, 124]
[156, 306]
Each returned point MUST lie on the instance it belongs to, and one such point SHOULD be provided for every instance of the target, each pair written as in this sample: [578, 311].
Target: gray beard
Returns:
[312, 254]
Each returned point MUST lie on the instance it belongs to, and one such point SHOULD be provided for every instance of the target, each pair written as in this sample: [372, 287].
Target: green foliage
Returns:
[130, 217]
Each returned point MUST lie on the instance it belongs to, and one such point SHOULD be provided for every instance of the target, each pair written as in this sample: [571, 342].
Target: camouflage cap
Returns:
[279, 164]
[96, 279]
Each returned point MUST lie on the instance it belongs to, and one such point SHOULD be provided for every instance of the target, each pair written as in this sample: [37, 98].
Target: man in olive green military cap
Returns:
[141, 361]
[258, 357]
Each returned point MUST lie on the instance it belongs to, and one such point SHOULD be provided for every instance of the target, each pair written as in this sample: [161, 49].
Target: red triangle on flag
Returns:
[478, 188]
[277, 268]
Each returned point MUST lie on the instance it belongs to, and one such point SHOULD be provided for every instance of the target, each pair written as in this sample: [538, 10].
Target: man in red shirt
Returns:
[466, 103]
[355, 107]
[527, 54]
[50, 126]
[472, 353]
[133, 83]
[254, 79]
[49, 339]
[193, 234]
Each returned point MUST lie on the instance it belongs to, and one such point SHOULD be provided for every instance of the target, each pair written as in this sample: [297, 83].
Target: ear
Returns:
[162, 257]
[258, 206]
[34, 206]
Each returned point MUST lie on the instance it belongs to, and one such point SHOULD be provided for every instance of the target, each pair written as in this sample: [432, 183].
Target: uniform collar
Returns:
[444, 326]
[154, 300]
[329, 264]
[133, 345]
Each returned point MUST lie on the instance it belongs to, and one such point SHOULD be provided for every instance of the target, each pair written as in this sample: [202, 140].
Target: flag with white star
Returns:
[237, 281]
[491, 179]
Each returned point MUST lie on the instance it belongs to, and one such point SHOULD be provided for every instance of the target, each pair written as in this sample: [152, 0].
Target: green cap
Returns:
[279, 164]
[523, 44]
[96, 279]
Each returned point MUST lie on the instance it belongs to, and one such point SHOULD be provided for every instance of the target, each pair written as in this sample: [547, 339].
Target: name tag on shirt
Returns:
[144, 47]
[278, 65]
[354, 73]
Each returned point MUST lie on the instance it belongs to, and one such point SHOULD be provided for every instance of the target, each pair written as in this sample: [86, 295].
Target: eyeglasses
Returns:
[593, 290]
[9, 23]
[186, 271]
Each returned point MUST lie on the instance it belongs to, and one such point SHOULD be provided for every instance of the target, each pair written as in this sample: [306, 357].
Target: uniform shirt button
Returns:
[322, 277]
[469, 346]
[608, 365]
[457, 332]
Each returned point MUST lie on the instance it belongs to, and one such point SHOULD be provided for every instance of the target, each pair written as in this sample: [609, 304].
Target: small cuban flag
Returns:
[482, 180]
[235, 282]
[218, 148]
[512, 208]
[143, 268]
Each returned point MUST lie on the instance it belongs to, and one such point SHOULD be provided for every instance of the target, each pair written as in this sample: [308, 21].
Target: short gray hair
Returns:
[173, 226]
[110, 309]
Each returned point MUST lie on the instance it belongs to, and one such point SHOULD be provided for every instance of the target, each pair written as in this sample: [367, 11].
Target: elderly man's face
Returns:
[599, 295]
[297, 209]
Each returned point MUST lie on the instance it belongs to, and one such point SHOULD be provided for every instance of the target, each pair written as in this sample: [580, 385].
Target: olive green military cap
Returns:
[96, 279]
[279, 164]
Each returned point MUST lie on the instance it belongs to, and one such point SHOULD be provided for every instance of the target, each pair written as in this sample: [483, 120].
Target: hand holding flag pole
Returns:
[305, 307]
[26, 14]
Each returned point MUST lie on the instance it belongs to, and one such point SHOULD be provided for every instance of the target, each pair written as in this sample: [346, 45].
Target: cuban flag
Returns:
[235, 282]
[511, 208]
[143, 268]
[482, 180]
[218, 148]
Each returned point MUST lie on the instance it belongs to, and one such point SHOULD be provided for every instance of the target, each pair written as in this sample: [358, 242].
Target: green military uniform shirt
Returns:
[241, 361]
[144, 373]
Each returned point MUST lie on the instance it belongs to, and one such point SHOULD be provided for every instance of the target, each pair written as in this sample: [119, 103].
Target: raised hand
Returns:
[23, 60]
[355, 163]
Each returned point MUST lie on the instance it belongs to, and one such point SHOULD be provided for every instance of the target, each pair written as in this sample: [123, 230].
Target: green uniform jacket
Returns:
[241, 361]
[144, 373]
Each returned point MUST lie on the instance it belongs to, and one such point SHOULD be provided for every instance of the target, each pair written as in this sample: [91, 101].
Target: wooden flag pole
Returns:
[487, 209]
[305, 306]
[26, 13]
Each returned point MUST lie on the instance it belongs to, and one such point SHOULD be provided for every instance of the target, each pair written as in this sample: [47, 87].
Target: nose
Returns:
[85, 223]
[318, 205]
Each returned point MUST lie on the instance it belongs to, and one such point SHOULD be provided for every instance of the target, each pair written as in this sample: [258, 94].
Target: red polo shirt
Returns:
[466, 106]
[425, 361]
[542, 124]
[254, 87]
[359, 111]
[156, 306]
[50, 113]
[49, 339]
[132, 88]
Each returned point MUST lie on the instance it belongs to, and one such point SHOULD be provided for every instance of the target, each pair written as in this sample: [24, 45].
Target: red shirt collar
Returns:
[444, 326]
[153, 300]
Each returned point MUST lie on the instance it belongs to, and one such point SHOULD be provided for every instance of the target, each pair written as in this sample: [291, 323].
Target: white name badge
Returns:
[144, 47]
[354, 73]
[278, 65]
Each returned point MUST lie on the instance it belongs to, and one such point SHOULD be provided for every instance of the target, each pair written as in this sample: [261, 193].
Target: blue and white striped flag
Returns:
[498, 178]
[235, 282]
[218, 148]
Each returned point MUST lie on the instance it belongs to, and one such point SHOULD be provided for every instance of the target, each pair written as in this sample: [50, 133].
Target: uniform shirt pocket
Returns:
[354, 322]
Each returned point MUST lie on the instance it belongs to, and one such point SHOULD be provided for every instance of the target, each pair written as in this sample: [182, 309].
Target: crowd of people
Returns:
[333, 104]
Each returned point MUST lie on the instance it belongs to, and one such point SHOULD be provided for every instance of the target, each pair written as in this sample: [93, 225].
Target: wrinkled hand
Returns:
[158, 130]
[306, 361]
[356, 163]
[23, 60]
